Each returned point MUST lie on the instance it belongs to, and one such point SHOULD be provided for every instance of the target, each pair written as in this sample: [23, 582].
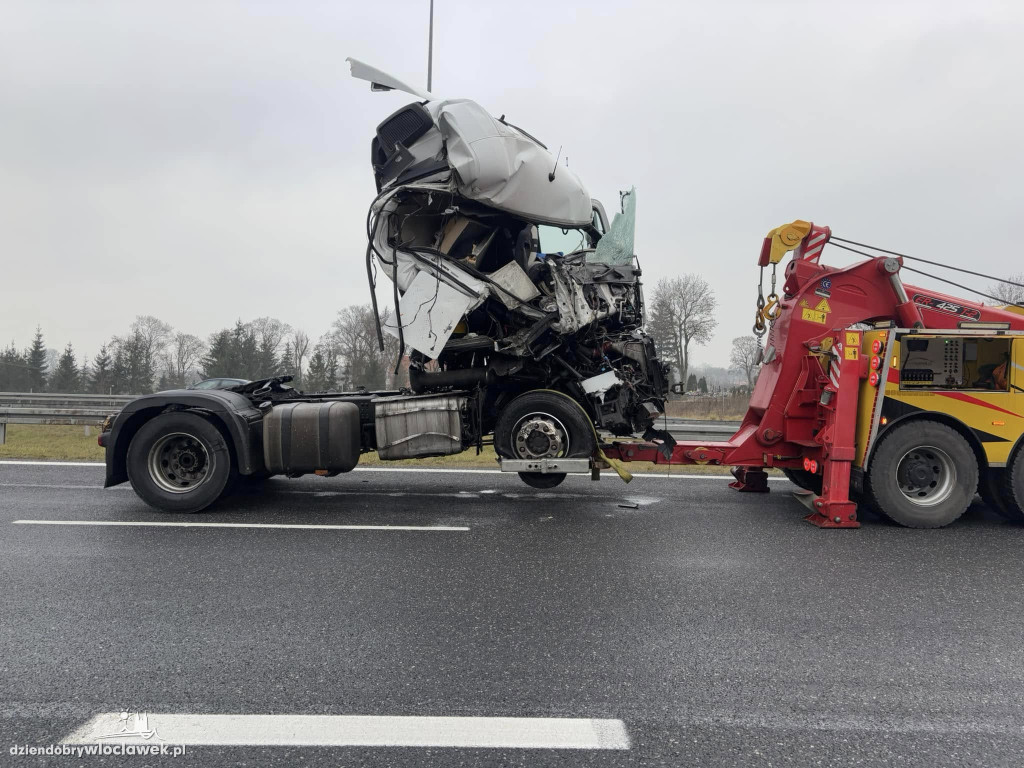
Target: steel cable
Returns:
[925, 261]
[1002, 302]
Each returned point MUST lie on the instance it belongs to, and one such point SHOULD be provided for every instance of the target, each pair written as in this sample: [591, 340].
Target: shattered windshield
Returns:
[616, 248]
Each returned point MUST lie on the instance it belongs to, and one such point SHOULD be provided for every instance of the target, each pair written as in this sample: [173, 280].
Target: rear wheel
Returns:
[923, 475]
[544, 425]
[991, 487]
[180, 462]
[1012, 491]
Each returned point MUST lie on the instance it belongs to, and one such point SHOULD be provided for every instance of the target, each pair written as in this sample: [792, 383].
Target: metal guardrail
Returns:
[56, 408]
[91, 410]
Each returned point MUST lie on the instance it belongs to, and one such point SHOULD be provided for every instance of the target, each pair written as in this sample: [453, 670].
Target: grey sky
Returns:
[208, 161]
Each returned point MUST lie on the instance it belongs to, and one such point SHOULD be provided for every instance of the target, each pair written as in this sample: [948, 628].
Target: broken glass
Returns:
[616, 248]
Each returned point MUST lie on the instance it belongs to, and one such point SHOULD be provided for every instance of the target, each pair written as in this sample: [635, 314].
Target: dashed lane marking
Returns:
[448, 528]
[360, 731]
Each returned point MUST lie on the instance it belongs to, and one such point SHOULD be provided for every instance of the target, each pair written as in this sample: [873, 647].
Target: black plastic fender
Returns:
[232, 413]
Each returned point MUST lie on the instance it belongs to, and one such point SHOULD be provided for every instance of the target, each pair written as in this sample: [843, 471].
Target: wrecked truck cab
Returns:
[509, 285]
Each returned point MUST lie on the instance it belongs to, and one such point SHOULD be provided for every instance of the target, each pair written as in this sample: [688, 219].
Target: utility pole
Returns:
[430, 49]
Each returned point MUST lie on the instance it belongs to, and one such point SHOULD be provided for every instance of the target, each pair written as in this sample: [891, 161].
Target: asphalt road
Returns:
[718, 627]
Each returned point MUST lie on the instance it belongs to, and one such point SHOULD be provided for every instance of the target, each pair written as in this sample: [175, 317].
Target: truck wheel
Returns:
[923, 475]
[544, 425]
[180, 462]
[1012, 491]
[991, 487]
[801, 478]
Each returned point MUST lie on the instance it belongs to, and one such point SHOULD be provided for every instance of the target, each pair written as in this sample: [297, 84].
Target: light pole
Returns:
[430, 49]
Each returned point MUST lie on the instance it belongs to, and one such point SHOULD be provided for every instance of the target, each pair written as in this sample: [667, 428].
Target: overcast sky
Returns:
[209, 161]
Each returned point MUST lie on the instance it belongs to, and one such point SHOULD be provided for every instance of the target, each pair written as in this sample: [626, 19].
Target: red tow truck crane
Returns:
[873, 391]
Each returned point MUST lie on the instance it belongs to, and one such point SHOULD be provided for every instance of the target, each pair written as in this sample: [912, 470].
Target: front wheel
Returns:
[544, 424]
[923, 475]
[179, 462]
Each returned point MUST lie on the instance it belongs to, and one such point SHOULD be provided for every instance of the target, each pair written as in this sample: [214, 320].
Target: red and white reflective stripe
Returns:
[814, 246]
[833, 369]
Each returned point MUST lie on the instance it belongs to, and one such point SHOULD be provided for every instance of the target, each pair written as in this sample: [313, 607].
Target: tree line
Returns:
[152, 356]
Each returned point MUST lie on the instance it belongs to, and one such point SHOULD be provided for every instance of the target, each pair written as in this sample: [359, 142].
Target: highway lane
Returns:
[717, 627]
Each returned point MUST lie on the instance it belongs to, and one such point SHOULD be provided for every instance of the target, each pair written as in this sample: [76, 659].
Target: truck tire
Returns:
[801, 478]
[543, 424]
[1012, 491]
[992, 489]
[922, 475]
[180, 462]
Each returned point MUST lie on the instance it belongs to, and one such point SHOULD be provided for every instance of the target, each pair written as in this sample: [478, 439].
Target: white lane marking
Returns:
[26, 463]
[248, 525]
[364, 731]
[436, 470]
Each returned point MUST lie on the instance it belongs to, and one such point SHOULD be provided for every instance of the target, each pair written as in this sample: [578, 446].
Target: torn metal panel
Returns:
[430, 310]
[517, 283]
[598, 385]
[382, 81]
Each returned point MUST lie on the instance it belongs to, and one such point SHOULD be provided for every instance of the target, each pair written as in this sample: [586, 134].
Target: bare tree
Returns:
[149, 336]
[153, 334]
[1007, 293]
[744, 357]
[300, 348]
[270, 334]
[354, 336]
[683, 310]
[185, 351]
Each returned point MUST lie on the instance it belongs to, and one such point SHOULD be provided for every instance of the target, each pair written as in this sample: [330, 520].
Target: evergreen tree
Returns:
[101, 378]
[702, 385]
[119, 370]
[134, 365]
[14, 370]
[331, 366]
[317, 377]
[36, 360]
[84, 376]
[219, 358]
[65, 377]
[287, 364]
[691, 383]
[247, 358]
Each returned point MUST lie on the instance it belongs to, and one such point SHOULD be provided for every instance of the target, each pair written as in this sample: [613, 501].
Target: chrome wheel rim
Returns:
[926, 475]
[540, 436]
[180, 463]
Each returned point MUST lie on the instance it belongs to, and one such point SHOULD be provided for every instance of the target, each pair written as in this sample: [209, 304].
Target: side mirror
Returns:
[677, 388]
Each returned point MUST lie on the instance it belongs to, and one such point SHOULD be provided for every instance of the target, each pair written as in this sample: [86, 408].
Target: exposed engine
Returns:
[506, 275]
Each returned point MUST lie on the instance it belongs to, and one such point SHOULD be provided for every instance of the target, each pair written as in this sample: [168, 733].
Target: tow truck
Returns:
[874, 392]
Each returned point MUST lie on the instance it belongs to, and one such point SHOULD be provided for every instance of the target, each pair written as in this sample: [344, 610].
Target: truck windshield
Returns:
[558, 240]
